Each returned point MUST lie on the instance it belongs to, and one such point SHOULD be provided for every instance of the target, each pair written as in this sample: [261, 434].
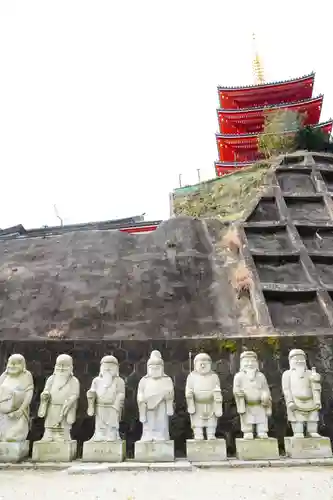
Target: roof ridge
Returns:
[255, 85]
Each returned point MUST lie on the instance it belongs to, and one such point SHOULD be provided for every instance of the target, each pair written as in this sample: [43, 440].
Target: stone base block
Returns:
[13, 452]
[257, 449]
[104, 451]
[154, 451]
[308, 447]
[212, 450]
[53, 451]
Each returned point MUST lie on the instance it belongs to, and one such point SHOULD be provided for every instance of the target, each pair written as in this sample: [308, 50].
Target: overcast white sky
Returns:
[104, 103]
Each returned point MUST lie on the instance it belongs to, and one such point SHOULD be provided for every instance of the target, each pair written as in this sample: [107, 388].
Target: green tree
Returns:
[313, 139]
[279, 132]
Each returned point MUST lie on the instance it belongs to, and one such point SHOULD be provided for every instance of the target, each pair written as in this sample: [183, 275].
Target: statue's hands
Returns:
[219, 413]
[45, 396]
[291, 406]
[91, 412]
[239, 393]
[16, 414]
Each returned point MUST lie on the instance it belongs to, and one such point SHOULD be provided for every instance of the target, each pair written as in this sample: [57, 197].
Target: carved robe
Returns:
[298, 389]
[53, 410]
[109, 400]
[255, 392]
[13, 391]
[204, 399]
[155, 401]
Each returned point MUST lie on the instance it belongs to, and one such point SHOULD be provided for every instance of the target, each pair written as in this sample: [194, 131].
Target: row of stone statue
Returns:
[155, 397]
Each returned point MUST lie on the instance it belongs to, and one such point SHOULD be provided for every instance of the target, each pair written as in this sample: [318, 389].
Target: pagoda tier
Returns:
[251, 120]
[243, 148]
[267, 94]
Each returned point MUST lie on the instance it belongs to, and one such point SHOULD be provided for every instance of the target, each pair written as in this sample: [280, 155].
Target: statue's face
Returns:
[298, 361]
[203, 366]
[62, 367]
[109, 368]
[250, 364]
[155, 371]
[14, 366]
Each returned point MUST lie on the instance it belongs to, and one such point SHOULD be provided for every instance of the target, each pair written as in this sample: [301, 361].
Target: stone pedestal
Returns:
[53, 451]
[212, 450]
[154, 451]
[13, 452]
[104, 451]
[308, 447]
[257, 449]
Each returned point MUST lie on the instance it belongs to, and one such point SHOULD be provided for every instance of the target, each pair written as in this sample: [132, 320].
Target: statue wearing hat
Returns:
[106, 399]
[302, 393]
[155, 400]
[203, 397]
[252, 396]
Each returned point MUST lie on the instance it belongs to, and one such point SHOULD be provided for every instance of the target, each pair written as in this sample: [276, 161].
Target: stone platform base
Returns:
[104, 451]
[154, 451]
[53, 451]
[257, 449]
[206, 451]
[13, 452]
[308, 447]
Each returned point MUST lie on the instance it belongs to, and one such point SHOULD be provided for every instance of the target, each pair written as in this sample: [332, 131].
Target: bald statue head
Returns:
[15, 365]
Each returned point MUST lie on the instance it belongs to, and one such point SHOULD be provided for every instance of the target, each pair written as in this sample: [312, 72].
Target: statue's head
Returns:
[202, 363]
[155, 365]
[15, 365]
[297, 360]
[249, 361]
[109, 366]
[64, 365]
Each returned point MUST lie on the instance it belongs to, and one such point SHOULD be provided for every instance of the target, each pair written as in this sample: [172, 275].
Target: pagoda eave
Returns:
[301, 79]
[240, 137]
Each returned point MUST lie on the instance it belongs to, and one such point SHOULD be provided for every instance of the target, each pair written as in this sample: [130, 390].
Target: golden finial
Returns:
[258, 69]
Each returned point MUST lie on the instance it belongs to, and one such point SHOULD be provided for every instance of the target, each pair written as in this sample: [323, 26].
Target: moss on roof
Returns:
[227, 198]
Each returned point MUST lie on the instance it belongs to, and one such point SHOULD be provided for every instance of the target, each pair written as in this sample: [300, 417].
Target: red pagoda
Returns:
[242, 113]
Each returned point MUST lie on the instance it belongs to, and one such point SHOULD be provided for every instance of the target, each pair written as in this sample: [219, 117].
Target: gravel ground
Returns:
[241, 484]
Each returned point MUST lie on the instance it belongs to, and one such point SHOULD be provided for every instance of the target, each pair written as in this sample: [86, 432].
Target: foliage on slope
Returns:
[227, 198]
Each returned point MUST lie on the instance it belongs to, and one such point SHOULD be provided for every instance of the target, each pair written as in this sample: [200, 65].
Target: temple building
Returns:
[242, 113]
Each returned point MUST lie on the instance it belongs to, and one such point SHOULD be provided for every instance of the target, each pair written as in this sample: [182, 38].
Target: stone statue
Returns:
[16, 390]
[302, 393]
[252, 396]
[59, 401]
[155, 400]
[203, 397]
[105, 400]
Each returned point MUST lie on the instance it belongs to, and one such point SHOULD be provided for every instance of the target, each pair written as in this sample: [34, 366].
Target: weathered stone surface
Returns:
[104, 451]
[51, 451]
[257, 449]
[206, 450]
[109, 284]
[154, 451]
[13, 452]
[308, 447]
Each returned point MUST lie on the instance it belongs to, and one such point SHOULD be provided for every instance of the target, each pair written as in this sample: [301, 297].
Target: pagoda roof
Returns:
[269, 84]
[254, 134]
[310, 100]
